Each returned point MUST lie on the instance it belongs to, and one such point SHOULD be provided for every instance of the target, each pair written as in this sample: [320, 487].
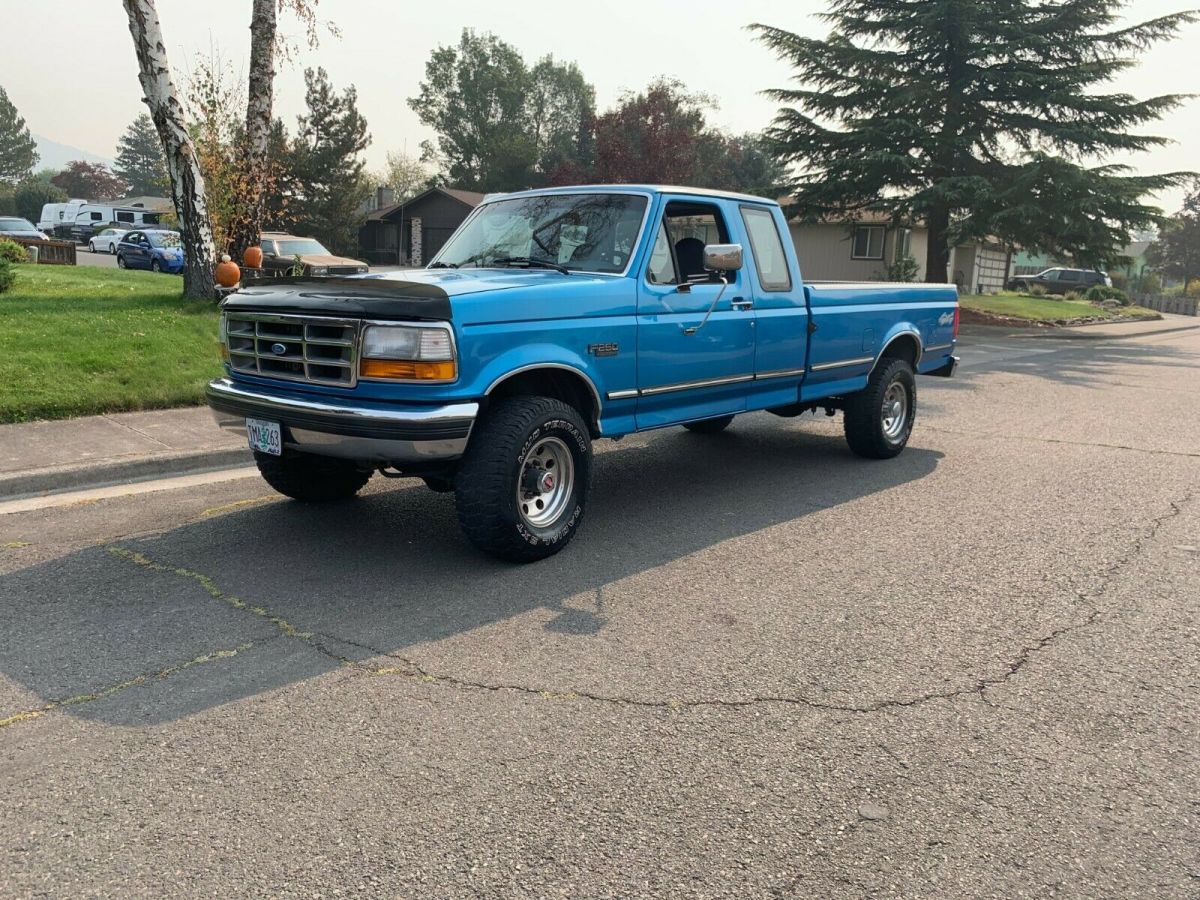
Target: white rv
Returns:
[57, 218]
[92, 216]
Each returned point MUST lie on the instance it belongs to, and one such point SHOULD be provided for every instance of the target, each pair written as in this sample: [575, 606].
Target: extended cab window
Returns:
[773, 274]
[124, 217]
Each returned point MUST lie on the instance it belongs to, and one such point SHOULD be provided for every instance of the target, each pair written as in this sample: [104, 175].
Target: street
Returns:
[765, 667]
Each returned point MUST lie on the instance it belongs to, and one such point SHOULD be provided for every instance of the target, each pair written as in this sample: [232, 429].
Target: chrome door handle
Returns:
[742, 304]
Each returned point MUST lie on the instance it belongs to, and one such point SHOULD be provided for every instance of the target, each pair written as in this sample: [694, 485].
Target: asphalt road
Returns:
[764, 668]
[83, 257]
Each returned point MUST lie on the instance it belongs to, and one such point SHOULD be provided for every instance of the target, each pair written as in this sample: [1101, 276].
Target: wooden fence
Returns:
[51, 253]
[1180, 306]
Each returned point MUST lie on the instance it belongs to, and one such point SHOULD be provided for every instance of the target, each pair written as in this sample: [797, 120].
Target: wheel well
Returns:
[562, 384]
[903, 346]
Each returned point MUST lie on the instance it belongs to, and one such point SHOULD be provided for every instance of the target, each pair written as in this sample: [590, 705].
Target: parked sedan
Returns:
[12, 227]
[284, 254]
[159, 251]
[106, 241]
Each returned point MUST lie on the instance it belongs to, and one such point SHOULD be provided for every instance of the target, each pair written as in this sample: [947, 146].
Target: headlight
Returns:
[361, 270]
[404, 353]
[318, 270]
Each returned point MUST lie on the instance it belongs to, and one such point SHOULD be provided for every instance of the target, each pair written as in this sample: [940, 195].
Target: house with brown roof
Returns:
[412, 232]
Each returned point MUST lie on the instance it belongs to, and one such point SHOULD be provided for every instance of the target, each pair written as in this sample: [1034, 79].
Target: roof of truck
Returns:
[636, 188]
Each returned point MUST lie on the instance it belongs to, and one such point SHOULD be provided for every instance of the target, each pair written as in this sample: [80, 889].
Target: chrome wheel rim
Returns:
[546, 482]
[895, 410]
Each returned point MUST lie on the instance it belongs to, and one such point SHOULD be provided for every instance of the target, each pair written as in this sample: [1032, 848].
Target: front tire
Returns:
[121, 262]
[523, 483]
[91, 246]
[112, 249]
[311, 478]
[709, 426]
[879, 419]
[154, 266]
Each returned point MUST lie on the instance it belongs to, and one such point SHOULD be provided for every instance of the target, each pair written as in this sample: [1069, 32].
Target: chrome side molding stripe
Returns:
[938, 347]
[691, 385]
[842, 363]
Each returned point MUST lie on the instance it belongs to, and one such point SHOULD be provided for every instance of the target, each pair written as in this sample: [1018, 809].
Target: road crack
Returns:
[410, 669]
[136, 681]
[1045, 440]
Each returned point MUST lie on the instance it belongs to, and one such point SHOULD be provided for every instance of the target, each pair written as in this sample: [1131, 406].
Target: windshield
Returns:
[165, 239]
[301, 248]
[583, 232]
[16, 225]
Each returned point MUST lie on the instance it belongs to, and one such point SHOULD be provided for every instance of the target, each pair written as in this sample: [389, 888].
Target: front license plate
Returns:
[264, 436]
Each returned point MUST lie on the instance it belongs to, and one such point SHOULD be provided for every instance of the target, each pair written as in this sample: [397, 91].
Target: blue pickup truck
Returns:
[552, 318]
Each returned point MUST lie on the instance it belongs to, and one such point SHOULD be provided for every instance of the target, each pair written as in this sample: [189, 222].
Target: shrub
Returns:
[1098, 293]
[12, 251]
[1037, 290]
[1073, 296]
[1119, 280]
[8, 274]
[903, 269]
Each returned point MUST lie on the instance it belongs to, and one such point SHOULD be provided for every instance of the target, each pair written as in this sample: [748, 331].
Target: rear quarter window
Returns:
[769, 259]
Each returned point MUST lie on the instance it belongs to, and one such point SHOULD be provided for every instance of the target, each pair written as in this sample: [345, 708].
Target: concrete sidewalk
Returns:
[1104, 331]
[93, 451]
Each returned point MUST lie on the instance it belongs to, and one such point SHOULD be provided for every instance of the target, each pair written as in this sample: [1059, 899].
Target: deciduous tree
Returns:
[18, 150]
[90, 181]
[977, 117]
[140, 163]
[1177, 250]
[561, 109]
[34, 193]
[405, 174]
[654, 136]
[187, 182]
[475, 96]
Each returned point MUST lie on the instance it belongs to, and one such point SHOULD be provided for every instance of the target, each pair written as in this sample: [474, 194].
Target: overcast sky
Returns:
[74, 77]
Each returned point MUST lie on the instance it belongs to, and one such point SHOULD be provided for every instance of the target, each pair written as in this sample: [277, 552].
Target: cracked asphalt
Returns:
[765, 668]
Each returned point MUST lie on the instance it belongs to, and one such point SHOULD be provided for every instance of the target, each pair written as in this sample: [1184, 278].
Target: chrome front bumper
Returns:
[375, 433]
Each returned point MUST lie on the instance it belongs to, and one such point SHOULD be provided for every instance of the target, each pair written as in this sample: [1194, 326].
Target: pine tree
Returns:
[977, 116]
[18, 151]
[326, 164]
[140, 161]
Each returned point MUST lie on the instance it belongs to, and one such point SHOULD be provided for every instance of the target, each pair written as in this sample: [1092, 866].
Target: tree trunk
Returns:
[247, 226]
[187, 183]
[937, 256]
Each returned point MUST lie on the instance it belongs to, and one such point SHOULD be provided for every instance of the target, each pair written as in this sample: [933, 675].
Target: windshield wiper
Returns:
[529, 262]
[442, 265]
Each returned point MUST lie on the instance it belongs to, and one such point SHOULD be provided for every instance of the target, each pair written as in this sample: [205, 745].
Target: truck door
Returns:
[695, 338]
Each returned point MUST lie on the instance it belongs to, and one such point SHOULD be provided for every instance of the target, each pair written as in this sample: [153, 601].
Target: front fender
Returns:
[535, 356]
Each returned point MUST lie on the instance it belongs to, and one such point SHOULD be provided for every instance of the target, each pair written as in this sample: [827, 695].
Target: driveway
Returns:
[764, 668]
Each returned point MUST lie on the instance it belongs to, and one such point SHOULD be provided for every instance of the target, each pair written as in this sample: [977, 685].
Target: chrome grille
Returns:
[312, 349]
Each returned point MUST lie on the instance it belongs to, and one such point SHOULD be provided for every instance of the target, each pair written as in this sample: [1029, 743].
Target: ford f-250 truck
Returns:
[550, 319]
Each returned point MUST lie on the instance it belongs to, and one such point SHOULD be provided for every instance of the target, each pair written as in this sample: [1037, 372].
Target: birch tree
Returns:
[259, 103]
[187, 183]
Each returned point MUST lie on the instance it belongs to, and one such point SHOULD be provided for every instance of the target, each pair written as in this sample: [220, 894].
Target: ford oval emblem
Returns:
[279, 349]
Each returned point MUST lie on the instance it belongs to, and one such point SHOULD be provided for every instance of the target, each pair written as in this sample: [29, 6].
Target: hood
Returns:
[457, 282]
[326, 259]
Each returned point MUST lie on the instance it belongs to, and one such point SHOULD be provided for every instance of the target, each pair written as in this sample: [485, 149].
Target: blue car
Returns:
[157, 250]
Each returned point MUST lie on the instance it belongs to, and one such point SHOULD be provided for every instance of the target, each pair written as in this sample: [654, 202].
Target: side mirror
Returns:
[723, 257]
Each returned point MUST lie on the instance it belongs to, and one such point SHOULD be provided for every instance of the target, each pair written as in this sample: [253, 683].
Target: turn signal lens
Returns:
[407, 370]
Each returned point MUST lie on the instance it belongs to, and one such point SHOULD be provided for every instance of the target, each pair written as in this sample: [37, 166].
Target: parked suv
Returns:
[281, 250]
[1061, 281]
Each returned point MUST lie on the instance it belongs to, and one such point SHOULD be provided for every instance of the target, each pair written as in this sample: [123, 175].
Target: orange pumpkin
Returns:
[228, 273]
[252, 257]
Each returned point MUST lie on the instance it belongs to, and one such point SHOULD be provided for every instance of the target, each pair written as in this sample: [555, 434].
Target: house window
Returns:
[904, 243]
[868, 242]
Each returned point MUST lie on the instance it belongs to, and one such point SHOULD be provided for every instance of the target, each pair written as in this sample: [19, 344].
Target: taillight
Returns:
[956, 323]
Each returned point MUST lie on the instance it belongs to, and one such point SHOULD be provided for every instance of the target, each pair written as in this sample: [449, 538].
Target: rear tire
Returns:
[709, 426]
[91, 246]
[311, 478]
[523, 483]
[879, 419]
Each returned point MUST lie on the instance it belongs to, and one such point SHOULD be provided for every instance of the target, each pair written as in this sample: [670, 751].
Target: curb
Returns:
[33, 482]
[1069, 334]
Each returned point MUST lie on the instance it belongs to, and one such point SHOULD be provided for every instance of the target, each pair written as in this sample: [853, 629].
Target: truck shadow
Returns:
[390, 571]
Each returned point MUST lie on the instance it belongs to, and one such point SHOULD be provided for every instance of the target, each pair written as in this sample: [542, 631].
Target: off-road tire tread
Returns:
[482, 484]
[709, 426]
[311, 478]
[863, 428]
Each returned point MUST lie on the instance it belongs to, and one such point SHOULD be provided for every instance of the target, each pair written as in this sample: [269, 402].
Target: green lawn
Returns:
[83, 340]
[1047, 309]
